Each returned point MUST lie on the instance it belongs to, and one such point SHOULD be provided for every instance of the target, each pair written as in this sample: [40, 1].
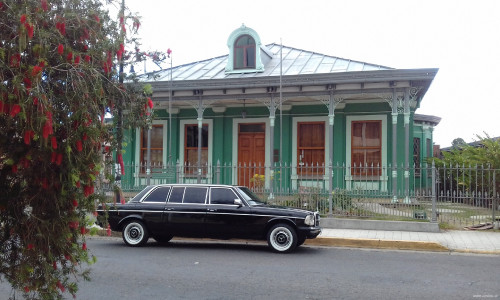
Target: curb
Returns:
[377, 244]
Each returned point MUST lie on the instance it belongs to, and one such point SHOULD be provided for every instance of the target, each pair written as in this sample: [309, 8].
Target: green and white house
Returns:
[277, 117]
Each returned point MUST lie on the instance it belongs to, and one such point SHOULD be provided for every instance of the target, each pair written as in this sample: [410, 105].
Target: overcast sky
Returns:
[460, 37]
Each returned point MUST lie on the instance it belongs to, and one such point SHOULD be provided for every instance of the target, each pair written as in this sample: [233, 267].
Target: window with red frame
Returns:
[244, 52]
[366, 147]
[310, 147]
[156, 147]
[191, 148]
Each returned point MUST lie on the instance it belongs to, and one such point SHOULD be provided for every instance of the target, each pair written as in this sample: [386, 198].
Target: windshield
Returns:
[249, 196]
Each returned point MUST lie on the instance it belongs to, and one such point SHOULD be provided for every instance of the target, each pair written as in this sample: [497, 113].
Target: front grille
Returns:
[317, 218]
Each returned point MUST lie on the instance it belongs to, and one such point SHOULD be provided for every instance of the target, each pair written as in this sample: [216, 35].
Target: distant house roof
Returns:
[295, 62]
[433, 120]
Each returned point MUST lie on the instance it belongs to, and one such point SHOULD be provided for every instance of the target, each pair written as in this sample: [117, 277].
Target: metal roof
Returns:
[295, 62]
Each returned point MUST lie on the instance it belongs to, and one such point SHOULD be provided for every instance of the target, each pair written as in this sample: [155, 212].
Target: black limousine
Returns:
[209, 211]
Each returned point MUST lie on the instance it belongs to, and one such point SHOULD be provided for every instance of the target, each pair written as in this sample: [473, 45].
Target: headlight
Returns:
[309, 220]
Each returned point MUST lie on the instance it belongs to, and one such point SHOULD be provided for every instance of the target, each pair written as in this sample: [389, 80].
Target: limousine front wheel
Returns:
[135, 233]
[282, 238]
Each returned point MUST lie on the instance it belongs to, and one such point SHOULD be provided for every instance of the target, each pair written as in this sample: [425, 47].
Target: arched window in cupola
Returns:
[244, 51]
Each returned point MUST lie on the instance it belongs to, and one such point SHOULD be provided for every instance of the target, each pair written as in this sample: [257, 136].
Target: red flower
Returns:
[75, 203]
[45, 5]
[60, 49]
[79, 146]
[108, 231]
[73, 224]
[53, 141]
[15, 60]
[61, 286]
[84, 247]
[87, 58]
[96, 18]
[35, 100]
[29, 30]
[77, 60]
[28, 135]
[16, 108]
[30, 246]
[77, 184]
[14, 168]
[85, 137]
[169, 52]
[54, 265]
[61, 26]
[59, 159]
[26, 289]
[83, 230]
[27, 82]
[35, 71]
[47, 129]
[70, 56]
[23, 19]
[150, 103]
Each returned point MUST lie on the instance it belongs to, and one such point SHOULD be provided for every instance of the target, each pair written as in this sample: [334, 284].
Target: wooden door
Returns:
[251, 155]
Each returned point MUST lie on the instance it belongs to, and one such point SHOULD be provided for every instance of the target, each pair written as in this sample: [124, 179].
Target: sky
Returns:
[459, 37]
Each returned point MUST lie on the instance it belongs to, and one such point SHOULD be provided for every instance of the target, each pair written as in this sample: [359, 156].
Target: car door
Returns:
[224, 218]
[152, 207]
[185, 211]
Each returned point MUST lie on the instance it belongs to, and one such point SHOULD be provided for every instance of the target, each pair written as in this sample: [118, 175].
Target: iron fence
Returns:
[458, 196]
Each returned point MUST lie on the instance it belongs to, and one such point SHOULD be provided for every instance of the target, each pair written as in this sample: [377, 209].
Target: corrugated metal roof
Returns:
[295, 62]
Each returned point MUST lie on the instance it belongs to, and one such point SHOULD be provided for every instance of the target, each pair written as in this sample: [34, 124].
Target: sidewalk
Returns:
[446, 241]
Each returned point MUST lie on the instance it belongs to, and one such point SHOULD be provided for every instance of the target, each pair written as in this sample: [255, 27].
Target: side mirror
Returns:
[238, 202]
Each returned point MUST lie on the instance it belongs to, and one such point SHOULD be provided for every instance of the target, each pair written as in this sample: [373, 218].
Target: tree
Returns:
[458, 142]
[473, 170]
[58, 81]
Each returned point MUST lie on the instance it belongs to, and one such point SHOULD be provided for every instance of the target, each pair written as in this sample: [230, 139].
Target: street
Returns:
[185, 269]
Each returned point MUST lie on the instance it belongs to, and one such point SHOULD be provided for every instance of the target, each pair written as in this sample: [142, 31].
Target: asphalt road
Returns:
[219, 270]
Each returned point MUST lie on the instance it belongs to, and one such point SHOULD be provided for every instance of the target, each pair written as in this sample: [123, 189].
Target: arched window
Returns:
[244, 52]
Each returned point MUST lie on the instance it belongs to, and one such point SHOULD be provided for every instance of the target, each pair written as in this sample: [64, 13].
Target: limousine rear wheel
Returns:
[135, 233]
[282, 238]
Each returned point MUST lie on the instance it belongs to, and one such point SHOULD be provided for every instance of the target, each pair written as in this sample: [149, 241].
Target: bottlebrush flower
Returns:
[60, 49]
[28, 135]
[83, 230]
[15, 109]
[79, 146]
[77, 60]
[59, 159]
[30, 246]
[29, 29]
[23, 19]
[35, 71]
[69, 57]
[45, 5]
[84, 246]
[61, 26]
[14, 168]
[73, 224]
[53, 157]
[54, 265]
[150, 103]
[87, 58]
[75, 203]
[53, 142]
[108, 230]
[26, 289]
[15, 60]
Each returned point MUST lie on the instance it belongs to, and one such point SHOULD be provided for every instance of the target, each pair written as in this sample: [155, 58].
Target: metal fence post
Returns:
[217, 172]
[434, 212]
[494, 202]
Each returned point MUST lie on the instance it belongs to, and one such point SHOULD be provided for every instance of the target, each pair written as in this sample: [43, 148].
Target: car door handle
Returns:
[211, 209]
[169, 209]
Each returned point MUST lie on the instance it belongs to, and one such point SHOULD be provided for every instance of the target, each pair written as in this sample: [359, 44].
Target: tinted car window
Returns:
[158, 195]
[222, 196]
[195, 195]
[139, 196]
[177, 194]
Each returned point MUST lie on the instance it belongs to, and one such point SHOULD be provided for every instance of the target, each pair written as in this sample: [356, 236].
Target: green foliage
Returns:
[59, 79]
[341, 200]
